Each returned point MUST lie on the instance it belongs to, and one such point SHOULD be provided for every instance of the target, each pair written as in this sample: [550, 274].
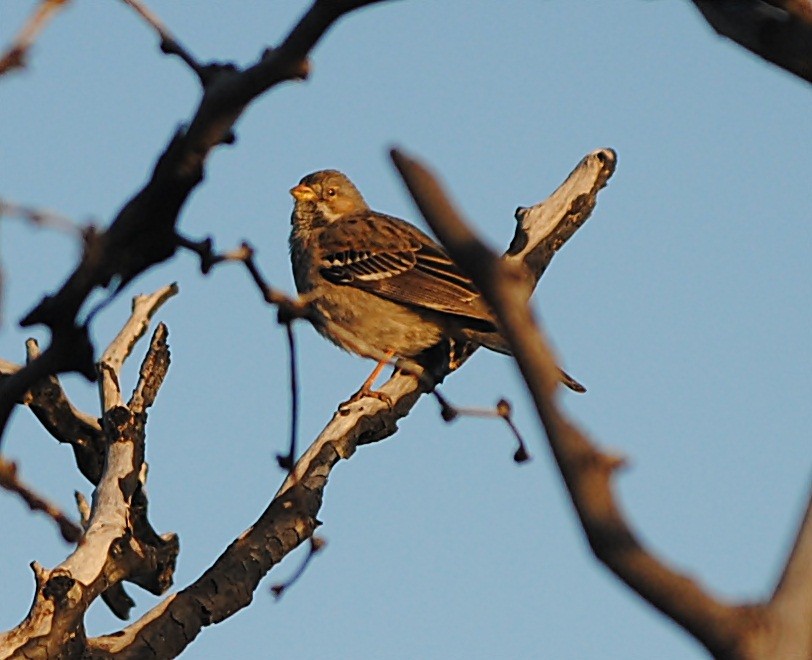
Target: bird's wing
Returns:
[392, 259]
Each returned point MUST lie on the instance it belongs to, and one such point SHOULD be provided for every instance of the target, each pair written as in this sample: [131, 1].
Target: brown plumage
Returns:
[380, 277]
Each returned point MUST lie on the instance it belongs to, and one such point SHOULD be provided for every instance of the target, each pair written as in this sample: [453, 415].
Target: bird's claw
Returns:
[367, 392]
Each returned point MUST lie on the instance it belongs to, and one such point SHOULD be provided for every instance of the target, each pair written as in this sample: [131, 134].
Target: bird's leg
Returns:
[366, 389]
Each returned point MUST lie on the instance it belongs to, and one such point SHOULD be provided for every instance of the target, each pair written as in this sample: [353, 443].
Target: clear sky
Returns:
[683, 305]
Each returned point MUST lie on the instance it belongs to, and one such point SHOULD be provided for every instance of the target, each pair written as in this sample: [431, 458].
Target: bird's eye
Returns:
[331, 192]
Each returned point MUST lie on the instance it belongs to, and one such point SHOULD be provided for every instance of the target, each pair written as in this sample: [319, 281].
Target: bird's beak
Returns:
[303, 193]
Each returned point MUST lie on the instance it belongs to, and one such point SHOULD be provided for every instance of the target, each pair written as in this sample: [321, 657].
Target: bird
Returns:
[378, 282]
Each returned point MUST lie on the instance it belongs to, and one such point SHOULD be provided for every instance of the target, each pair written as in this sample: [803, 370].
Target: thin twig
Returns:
[10, 480]
[143, 309]
[14, 57]
[40, 217]
[287, 462]
[169, 44]
[316, 544]
[142, 234]
[449, 412]
[208, 257]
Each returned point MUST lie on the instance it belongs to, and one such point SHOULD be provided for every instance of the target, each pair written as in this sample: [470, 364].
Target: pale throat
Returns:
[327, 213]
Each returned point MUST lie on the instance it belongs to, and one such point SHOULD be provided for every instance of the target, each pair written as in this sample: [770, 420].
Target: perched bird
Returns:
[381, 278]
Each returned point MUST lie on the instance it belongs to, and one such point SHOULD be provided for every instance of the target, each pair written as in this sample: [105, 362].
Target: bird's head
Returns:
[331, 194]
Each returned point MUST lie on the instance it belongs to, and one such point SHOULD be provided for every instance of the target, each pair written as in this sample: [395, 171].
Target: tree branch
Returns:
[780, 31]
[51, 406]
[143, 309]
[9, 480]
[790, 607]
[291, 517]
[143, 233]
[14, 57]
[169, 44]
[118, 542]
[726, 630]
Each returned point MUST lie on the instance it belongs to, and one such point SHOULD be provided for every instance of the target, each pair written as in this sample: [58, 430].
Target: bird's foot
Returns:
[366, 389]
[368, 392]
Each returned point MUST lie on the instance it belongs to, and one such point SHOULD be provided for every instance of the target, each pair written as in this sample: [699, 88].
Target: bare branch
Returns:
[9, 480]
[14, 57]
[67, 424]
[70, 350]
[587, 472]
[143, 308]
[143, 233]
[502, 410]
[153, 371]
[290, 518]
[117, 542]
[109, 552]
[780, 31]
[543, 229]
[40, 217]
[791, 605]
[169, 44]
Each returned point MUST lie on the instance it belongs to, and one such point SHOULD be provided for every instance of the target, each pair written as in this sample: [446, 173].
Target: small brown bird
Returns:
[381, 278]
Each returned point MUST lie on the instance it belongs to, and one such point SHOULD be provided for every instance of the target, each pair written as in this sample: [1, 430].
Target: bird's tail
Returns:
[496, 342]
[570, 382]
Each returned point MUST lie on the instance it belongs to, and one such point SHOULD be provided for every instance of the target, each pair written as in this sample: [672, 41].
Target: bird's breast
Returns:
[306, 273]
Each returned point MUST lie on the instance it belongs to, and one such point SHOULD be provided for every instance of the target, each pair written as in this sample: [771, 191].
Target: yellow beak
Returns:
[303, 193]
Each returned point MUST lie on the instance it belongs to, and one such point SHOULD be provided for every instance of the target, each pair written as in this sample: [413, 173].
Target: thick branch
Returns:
[790, 608]
[118, 542]
[543, 229]
[51, 406]
[143, 233]
[586, 471]
[780, 31]
[291, 517]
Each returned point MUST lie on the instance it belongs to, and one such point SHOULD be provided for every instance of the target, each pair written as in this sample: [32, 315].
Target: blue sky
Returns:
[682, 305]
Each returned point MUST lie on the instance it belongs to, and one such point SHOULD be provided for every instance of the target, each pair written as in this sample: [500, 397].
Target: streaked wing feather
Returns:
[392, 259]
[422, 289]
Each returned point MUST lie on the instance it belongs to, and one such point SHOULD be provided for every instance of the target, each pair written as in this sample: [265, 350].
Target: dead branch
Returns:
[143, 233]
[51, 406]
[780, 31]
[14, 57]
[790, 607]
[10, 480]
[502, 410]
[117, 542]
[143, 308]
[169, 44]
[771, 630]
[291, 517]
[40, 217]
